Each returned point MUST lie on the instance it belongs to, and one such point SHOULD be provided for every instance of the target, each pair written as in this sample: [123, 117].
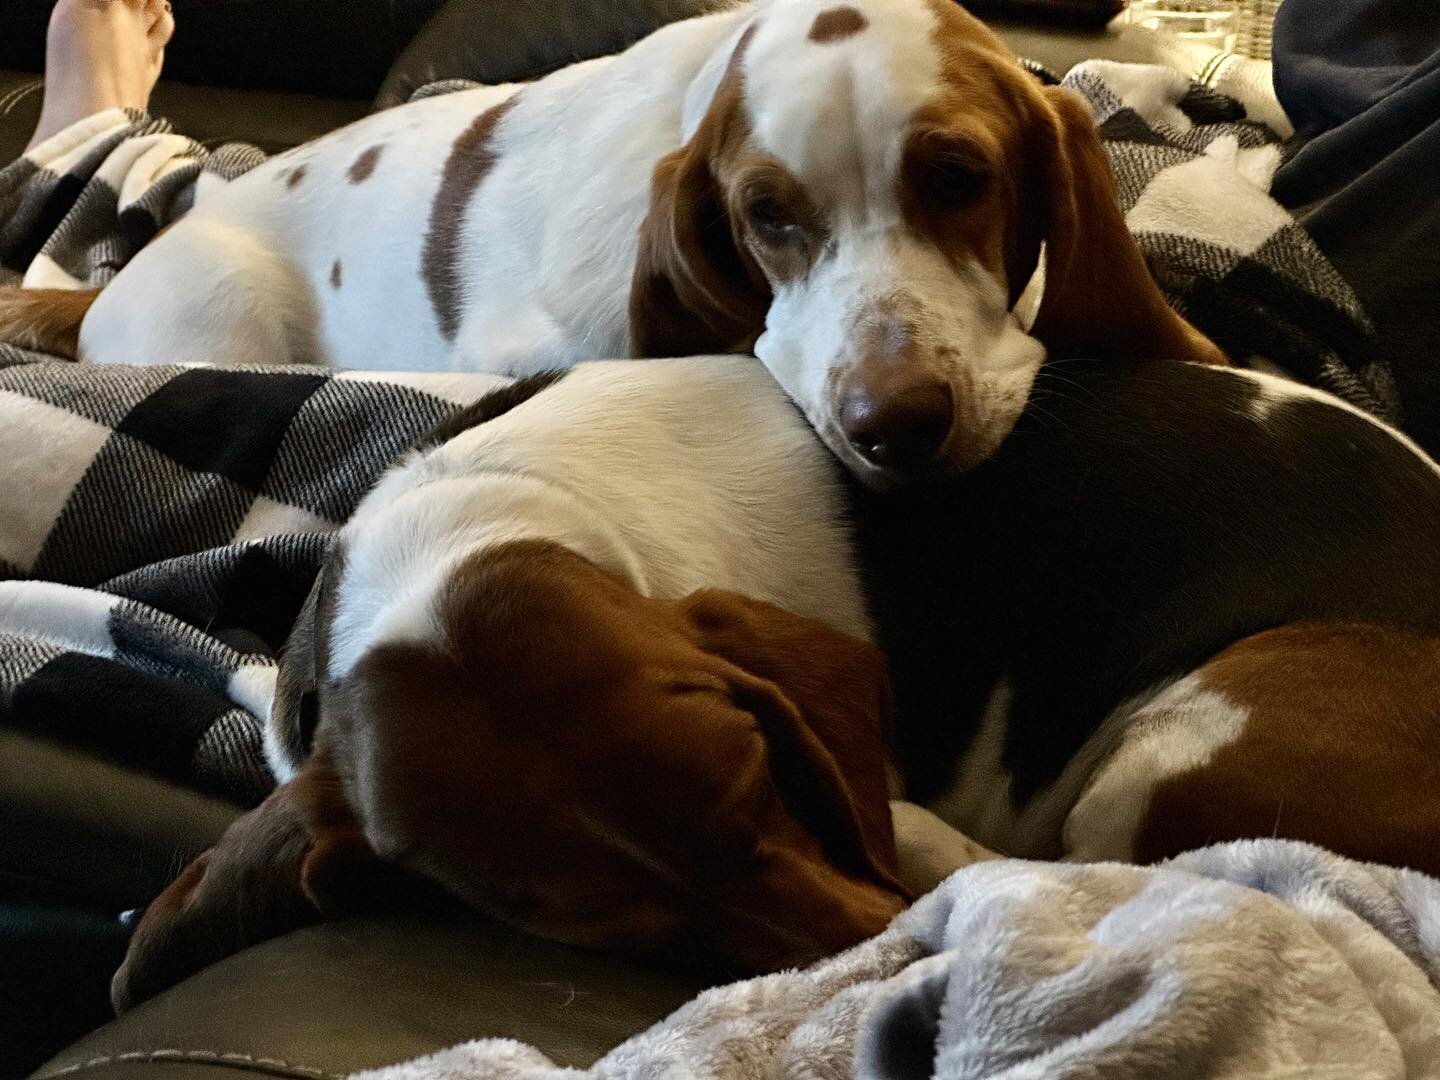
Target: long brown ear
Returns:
[693, 291]
[1100, 299]
[824, 700]
[298, 857]
[695, 288]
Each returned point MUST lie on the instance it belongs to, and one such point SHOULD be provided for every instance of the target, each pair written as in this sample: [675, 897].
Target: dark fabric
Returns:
[1361, 81]
[1061, 12]
[334, 48]
[495, 41]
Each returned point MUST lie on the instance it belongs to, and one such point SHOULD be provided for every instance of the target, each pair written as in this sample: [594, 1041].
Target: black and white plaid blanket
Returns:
[160, 526]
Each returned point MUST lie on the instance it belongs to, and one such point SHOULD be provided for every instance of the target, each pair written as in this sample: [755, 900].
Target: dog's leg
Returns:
[1325, 732]
[204, 293]
[930, 850]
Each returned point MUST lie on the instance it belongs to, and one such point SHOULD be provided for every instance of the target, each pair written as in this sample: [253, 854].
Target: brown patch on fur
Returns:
[294, 176]
[773, 727]
[494, 404]
[336, 274]
[837, 24]
[470, 161]
[696, 287]
[301, 682]
[46, 320]
[364, 165]
[996, 164]
[1341, 748]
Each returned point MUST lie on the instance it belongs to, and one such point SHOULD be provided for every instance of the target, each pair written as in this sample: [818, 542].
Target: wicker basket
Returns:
[1254, 25]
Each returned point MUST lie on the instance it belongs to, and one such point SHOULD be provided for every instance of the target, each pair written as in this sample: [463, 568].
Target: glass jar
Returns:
[1207, 22]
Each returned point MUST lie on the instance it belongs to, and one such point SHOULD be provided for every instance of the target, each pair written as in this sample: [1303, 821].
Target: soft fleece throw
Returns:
[1257, 959]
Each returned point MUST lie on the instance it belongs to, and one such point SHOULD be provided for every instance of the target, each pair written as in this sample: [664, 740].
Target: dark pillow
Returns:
[495, 41]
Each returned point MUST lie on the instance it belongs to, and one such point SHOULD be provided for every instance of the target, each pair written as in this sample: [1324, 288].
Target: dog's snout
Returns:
[900, 426]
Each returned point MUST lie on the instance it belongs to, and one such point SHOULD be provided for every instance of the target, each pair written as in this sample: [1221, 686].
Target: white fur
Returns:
[1277, 391]
[549, 239]
[675, 475]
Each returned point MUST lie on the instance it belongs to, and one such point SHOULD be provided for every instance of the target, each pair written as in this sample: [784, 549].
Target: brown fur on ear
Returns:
[1100, 299]
[824, 701]
[298, 857]
[695, 288]
[46, 320]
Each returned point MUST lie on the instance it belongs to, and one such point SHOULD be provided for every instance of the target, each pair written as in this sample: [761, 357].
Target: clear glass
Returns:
[1209, 22]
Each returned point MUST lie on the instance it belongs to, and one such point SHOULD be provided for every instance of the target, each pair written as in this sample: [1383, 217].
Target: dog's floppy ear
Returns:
[298, 857]
[1099, 298]
[295, 709]
[695, 288]
[823, 699]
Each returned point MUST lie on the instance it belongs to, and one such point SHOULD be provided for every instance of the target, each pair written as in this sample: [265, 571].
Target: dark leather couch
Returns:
[82, 841]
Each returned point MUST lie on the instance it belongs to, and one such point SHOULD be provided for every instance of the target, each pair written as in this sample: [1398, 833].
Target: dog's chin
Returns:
[873, 477]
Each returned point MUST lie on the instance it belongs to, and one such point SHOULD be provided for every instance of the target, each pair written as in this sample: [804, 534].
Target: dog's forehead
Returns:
[834, 83]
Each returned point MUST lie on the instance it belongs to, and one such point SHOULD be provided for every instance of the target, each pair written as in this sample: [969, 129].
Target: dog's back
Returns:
[1133, 542]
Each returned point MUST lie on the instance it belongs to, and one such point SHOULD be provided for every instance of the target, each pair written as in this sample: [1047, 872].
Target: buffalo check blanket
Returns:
[159, 526]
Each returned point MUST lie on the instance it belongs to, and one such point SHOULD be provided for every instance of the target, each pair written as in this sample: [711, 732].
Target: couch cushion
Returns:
[342, 996]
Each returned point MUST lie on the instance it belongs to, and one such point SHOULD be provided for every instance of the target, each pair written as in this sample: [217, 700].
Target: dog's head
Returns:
[863, 196]
[607, 770]
[703, 778]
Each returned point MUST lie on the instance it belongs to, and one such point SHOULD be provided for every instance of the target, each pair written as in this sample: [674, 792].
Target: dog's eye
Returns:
[772, 219]
[952, 180]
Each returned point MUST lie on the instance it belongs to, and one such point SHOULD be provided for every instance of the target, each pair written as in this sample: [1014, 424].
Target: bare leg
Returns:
[101, 54]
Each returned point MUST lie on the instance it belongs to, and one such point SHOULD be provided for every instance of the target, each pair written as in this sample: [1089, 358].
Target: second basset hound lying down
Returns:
[859, 190]
[594, 661]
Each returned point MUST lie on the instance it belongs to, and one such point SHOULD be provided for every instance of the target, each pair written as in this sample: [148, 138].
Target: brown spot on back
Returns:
[365, 164]
[294, 176]
[1341, 748]
[470, 161]
[335, 275]
[837, 24]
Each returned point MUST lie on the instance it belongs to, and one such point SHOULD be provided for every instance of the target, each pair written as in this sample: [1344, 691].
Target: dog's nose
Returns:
[901, 427]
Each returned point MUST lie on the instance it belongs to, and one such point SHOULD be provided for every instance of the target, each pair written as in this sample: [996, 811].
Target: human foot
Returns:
[101, 54]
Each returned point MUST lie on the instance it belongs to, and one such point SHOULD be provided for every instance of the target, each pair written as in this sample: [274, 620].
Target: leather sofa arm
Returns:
[344, 996]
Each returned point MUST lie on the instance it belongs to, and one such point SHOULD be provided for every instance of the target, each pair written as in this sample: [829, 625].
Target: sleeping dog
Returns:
[859, 190]
[1181, 605]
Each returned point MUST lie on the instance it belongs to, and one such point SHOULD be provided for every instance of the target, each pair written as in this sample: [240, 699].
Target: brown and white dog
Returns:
[1180, 605]
[859, 190]
[596, 661]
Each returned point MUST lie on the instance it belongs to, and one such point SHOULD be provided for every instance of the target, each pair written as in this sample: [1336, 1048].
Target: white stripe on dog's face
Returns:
[889, 272]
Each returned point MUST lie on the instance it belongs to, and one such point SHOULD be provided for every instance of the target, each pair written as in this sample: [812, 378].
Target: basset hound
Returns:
[857, 190]
[596, 661]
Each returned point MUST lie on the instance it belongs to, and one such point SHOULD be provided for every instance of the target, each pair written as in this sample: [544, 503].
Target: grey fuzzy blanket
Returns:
[1258, 959]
